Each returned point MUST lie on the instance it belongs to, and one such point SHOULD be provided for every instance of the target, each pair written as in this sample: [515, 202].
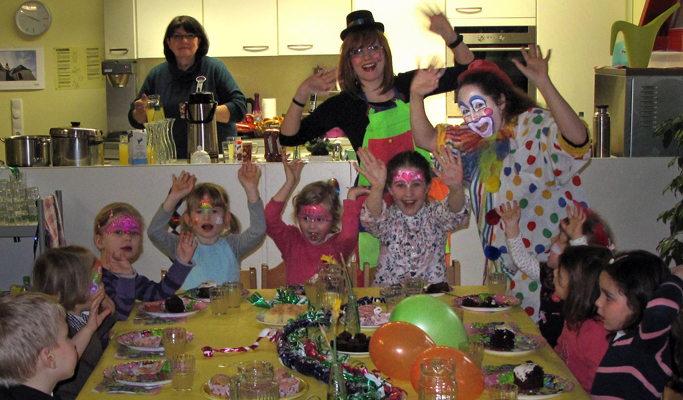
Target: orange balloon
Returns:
[468, 375]
[394, 346]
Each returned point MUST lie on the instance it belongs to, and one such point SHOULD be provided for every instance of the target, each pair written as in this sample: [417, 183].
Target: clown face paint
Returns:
[315, 222]
[407, 176]
[409, 190]
[480, 112]
[208, 221]
[122, 234]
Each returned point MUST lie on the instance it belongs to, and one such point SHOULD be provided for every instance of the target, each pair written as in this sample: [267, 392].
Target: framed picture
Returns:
[22, 68]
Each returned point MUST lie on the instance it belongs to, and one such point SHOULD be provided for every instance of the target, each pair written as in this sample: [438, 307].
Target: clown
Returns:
[512, 150]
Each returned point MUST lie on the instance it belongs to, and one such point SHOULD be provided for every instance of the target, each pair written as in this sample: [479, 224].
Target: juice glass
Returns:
[182, 372]
[174, 340]
[123, 150]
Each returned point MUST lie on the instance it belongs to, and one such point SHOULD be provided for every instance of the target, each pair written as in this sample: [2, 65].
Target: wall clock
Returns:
[33, 18]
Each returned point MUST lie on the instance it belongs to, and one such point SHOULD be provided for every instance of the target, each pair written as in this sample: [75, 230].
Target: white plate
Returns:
[352, 354]
[171, 315]
[435, 294]
[508, 353]
[261, 317]
[144, 384]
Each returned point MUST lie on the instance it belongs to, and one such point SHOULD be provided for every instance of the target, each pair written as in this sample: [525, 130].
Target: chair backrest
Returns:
[274, 277]
[453, 273]
[248, 278]
[368, 274]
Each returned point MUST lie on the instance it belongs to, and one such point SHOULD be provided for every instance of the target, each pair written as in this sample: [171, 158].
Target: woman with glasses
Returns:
[185, 49]
[372, 109]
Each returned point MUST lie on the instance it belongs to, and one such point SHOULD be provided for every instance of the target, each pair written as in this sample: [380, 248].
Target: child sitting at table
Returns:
[583, 341]
[35, 349]
[582, 226]
[639, 302]
[118, 236]
[67, 274]
[207, 215]
[412, 232]
[317, 212]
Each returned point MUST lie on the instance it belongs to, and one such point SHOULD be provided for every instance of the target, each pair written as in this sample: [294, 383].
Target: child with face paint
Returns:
[71, 274]
[207, 215]
[412, 232]
[640, 301]
[581, 227]
[118, 236]
[318, 211]
[512, 150]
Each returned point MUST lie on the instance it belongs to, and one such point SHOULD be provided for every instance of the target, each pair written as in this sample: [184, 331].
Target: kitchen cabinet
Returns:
[238, 28]
[491, 12]
[119, 30]
[153, 17]
[311, 27]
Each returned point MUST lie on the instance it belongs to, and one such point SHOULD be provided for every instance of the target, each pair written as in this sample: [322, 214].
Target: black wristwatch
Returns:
[457, 42]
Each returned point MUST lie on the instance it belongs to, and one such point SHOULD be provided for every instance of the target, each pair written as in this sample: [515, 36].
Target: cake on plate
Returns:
[220, 386]
[286, 382]
[528, 376]
[358, 343]
[503, 338]
[281, 313]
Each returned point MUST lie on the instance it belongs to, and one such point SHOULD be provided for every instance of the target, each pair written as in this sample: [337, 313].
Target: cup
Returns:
[393, 294]
[503, 391]
[219, 299]
[234, 294]
[460, 312]
[228, 150]
[437, 380]
[475, 350]
[247, 147]
[330, 285]
[413, 285]
[175, 339]
[497, 282]
[311, 289]
[256, 381]
[182, 372]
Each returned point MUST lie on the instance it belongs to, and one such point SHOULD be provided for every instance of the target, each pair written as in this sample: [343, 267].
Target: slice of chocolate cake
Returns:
[528, 376]
[503, 338]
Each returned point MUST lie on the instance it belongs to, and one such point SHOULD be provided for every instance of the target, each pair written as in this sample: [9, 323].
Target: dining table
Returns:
[240, 328]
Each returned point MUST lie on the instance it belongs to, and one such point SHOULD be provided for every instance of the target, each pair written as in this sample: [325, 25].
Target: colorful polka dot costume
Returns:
[529, 161]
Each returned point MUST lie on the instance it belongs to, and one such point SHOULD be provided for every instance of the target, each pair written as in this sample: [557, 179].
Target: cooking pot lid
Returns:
[76, 132]
[200, 97]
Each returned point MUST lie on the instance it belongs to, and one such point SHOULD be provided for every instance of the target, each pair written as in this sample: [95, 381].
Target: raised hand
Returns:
[321, 82]
[373, 168]
[183, 184]
[536, 68]
[438, 23]
[249, 174]
[451, 168]
[119, 265]
[186, 247]
[510, 214]
[292, 168]
[426, 80]
[574, 227]
[96, 317]
[354, 192]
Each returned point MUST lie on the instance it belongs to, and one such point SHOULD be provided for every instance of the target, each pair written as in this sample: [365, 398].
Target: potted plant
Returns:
[319, 147]
[671, 247]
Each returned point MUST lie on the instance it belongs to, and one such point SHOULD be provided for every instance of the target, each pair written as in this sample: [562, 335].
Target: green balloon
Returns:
[436, 318]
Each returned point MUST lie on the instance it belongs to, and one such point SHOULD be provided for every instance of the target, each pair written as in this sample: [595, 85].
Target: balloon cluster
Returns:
[423, 327]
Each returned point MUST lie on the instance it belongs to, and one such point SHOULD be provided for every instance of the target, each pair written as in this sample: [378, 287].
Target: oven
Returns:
[499, 44]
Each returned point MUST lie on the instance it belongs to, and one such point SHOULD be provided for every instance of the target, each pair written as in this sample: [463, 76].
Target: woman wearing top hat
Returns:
[372, 109]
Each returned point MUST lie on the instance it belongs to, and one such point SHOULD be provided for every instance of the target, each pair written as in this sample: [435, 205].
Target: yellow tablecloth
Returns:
[241, 329]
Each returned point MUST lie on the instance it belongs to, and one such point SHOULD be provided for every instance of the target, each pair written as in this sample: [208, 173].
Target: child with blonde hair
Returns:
[36, 351]
[318, 212]
[118, 236]
[207, 215]
[67, 274]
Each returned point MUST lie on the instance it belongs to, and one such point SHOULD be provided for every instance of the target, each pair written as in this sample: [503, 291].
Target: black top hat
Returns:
[360, 19]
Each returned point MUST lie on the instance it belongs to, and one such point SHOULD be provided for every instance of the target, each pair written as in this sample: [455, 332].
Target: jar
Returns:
[271, 141]
[437, 380]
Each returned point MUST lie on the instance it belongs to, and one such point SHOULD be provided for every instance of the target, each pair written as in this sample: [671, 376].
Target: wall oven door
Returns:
[499, 44]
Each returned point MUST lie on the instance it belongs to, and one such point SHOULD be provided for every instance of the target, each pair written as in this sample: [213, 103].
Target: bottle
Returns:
[258, 117]
[238, 150]
[437, 380]
[27, 284]
[601, 132]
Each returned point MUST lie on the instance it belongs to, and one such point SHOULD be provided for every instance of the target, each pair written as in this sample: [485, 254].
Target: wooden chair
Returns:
[670, 394]
[273, 278]
[353, 269]
[368, 274]
[453, 273]
[248, 278]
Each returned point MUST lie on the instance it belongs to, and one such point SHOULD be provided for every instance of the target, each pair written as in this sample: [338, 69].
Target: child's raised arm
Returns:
[375, 172]
[574, 227]
[536, 70]
[82, 338]
[292, 174]
[354, 192]
[186, 247]
[451, 176]
[249, 175]
[181, 187]
[510, 214]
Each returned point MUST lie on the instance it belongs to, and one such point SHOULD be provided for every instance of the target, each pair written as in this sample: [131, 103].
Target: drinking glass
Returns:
[155, 110]
[330, 285]
[460, 312]
[413, 285]
[503, 391]
[219, 299]
[174, 340]
[393, 294]
[475, 350]
[123, 150]
[255, 381]
[234, 294]
[497, 282]
[182, 372]
[437, 380]
[311, 289]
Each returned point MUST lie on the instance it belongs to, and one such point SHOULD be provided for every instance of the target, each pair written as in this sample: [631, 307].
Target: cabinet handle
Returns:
[123, 51]
[299, 47]
[255, 48]
[511, 48]
[468, 10]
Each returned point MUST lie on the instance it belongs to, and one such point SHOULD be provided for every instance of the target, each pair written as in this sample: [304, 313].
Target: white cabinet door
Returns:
[119, 29]
[311, 26]
[238, 28]
[490, 8]
[153, 17]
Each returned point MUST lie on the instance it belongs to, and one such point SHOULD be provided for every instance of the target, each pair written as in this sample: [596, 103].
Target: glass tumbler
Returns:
[330, 285]
[393, 294]
[437, 380]
[497, 282]
[255, 381]
[413, 286]
[234, 294]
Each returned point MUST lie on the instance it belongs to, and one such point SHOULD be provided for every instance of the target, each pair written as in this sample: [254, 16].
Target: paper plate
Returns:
[303, 388]
[525, 343]
[140, 373]
[145, 340]
[194, 294]
[553, 385]
[353, 354]
[261, 317]
[196, 307]
[505, 302]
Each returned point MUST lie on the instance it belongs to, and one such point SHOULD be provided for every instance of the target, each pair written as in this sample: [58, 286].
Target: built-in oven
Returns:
[500, 44]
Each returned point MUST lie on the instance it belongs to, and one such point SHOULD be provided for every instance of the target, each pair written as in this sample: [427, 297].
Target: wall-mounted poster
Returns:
[22, 68]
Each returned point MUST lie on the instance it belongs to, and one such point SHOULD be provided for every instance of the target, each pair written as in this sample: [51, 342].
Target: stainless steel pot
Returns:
[28, 151]
[76, 146]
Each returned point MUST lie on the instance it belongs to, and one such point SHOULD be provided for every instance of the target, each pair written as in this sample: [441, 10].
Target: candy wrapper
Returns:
[283, 296]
